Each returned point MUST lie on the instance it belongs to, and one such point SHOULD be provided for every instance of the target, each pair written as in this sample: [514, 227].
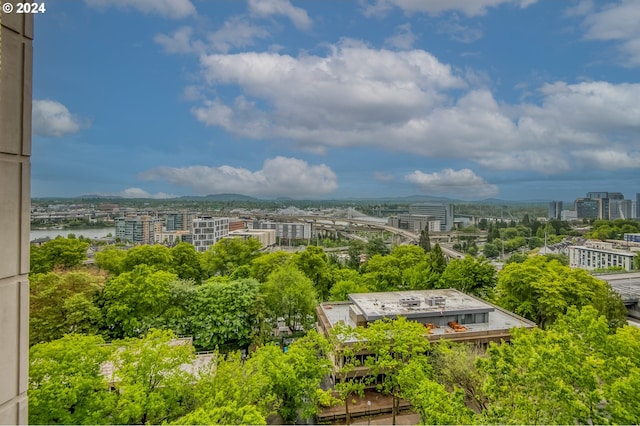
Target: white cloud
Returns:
[180, 41]
[351, 90]
[462, 183]
[618, 22]
[266, 8]
[173, 9]
[437, 7]
[408, 101]
[141, 193]
[459, 32]
[52, 119]
[279, 176]
[235, 32]
[609, 159]
[402, 39]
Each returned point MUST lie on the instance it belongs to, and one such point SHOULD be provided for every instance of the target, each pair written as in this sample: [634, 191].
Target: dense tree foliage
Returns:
[571, 373]
[392, 345]
[134, 301]
[470, 275]
[185, 262]
[613, 229]
[224, 314]
[228, 254]
[580, 366]
[60, 253]
[65, 384]
[289, 294]
[150, 384]
[542, 290]
[424, 242]
[63, 302]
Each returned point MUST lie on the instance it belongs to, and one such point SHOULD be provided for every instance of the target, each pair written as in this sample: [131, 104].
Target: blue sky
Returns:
[511, 99]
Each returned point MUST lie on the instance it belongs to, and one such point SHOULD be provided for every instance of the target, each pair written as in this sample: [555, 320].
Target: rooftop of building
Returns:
[374, 306]
[627, 285]
[603, 249]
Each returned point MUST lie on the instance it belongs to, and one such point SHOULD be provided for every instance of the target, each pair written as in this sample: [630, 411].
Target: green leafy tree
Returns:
[549, 376]
[470, 275]
[392, 344]
[424, 242]
[436, 260]
[223, 314]
[454, 366]
[288, 293]
[229, 393]
[517, 258]
[65, 384]
[229, 414]
[347, 343]
[356, 249]
[59, 253]
[151, 387]
[341, 290]
[265, 264]
[228, 254]
[491, 250]
[133, 301]
[430, 399]
[185, 262]
[542, 290]
[179, 314]
[382, 273]
[314, 263]
[293, 378]
[157, 257]
[376, 246]
[62, 303]
[111, 259]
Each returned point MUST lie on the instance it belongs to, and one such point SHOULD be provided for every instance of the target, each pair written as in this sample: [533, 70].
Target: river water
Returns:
[89, 233]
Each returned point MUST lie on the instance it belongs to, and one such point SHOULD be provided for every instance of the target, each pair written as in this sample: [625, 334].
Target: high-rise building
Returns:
[209, 230]
[637, 205]
[16, 56]
[138, 229]
[179, 221]
[620, 209]
[555, 210]
[594, 195]
[603, 205]
[587, 208]
[439, 211]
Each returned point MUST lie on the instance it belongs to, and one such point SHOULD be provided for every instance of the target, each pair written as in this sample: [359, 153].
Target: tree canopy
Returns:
[542, 290]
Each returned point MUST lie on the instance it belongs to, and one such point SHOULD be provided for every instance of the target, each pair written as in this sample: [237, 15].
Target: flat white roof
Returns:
[375, 306]
[455, 303]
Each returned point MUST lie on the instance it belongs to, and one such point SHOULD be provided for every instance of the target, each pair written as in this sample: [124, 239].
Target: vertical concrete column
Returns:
[16, 35]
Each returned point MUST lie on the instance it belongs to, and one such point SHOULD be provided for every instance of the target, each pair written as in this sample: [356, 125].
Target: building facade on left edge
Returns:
[16, 59]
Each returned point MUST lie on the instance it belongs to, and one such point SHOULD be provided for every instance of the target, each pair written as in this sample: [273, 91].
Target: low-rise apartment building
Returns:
[600, 256]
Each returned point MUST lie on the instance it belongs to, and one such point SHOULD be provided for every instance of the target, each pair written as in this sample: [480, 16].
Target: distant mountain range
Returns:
[240, 197]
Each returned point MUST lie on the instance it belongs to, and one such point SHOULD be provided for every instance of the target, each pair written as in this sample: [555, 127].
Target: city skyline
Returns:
[325, 100]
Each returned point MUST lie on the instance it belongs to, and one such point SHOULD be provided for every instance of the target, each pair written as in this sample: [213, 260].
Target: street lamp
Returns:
[369, 410]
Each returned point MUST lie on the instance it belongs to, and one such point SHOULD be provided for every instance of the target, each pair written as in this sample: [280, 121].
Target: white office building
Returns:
[209, 230]
[437, 211]
[594, 257]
